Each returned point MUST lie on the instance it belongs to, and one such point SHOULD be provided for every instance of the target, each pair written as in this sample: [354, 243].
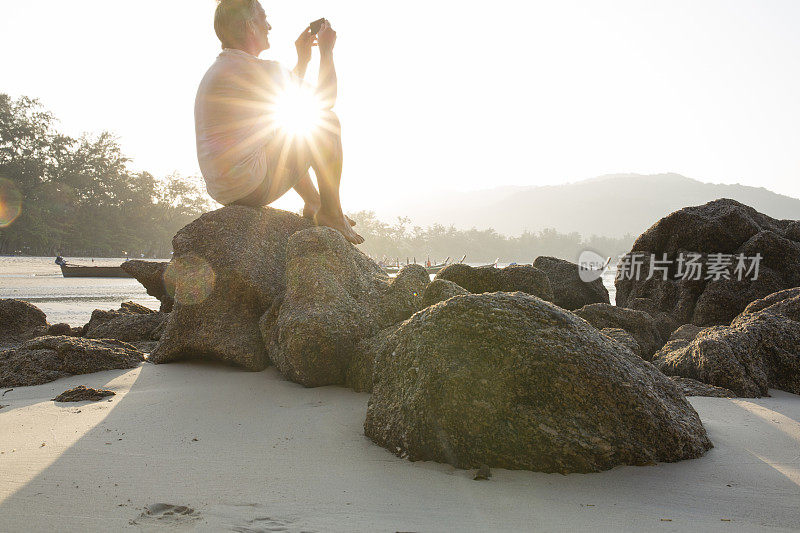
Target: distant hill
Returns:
[610, 205]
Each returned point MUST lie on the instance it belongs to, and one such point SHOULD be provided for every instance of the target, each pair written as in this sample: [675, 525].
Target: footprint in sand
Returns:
[265, 525]
[165, 512]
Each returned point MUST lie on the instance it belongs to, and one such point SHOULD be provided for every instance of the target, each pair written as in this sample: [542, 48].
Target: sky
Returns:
[449, 95]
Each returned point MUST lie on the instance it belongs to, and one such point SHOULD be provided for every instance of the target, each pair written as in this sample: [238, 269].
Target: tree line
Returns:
[78, 197]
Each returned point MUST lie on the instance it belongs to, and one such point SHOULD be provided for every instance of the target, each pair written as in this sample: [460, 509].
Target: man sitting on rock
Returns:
[250, 145]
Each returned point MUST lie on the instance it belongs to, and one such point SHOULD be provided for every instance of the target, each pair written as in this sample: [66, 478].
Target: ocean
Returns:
[38, 280]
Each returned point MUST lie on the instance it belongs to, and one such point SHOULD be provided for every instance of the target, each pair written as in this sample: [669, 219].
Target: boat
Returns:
[82, 271]
[430, 269]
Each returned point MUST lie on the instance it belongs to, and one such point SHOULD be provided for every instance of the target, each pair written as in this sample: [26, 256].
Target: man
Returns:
[245, 155]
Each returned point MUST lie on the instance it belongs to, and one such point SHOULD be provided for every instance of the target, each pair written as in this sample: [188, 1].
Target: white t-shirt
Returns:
[232, 122]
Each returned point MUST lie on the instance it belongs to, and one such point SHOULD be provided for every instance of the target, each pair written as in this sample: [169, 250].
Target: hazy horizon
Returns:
[433, 96]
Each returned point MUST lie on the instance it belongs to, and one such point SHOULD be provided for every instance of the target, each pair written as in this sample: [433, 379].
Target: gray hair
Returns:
[231, 19]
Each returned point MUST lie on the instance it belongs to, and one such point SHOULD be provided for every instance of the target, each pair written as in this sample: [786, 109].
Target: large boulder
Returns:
[45, 359]
[227, 270]
[759, 350]
[151, 275]
[569, 290]
[622, 337]
[524, 278]
[511, 381]
[692, 387]
[20, 321]
[335, 297]
[701, 233]
[638, 324]
[440, 290]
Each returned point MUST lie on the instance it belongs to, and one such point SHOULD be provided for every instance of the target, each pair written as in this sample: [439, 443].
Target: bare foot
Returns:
[340, 224]
[311, 210]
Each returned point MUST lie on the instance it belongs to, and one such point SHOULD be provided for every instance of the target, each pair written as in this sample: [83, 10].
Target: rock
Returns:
[686, 332]
[404, 295]
[638, 324]
[440, 290]
[82, 393]
[63, 329]
[719, 227]
[569, 290]
[511, 381]
[132, 323]
[335, 297]
[524, 278]
[665, 324]
[46, 359]
[20, 321]
[228, 268]
[692, 387]
[151, 275]
[622, 337]
[483, 473]
[360, 367]
[759, 350]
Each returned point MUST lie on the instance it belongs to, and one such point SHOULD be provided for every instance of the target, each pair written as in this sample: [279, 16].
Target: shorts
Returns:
[283, 173]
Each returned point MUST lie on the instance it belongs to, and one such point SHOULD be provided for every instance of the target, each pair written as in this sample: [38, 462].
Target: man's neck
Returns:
[252, 50]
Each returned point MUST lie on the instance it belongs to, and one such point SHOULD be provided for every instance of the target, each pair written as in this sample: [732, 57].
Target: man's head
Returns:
[242, 24]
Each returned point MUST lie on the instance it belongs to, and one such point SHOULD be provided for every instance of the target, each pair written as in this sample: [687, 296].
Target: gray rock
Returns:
[664, 322]
[686, 332]
[722, 226]
[692, 387]
[639, 324]
[511, 381]
[228, 268]
[759, 350]
[45, 359]
[569, 290]
[440, 290]
[64, 329]
[335, 297]
[20, 321]
[128, 327]
[151, 275]
[524, 278]
[622, 337]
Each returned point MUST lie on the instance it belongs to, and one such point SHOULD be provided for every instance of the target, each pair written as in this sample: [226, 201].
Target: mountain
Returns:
[610, 205]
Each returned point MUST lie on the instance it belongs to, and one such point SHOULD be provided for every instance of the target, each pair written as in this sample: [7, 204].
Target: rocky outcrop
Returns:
[524, 278]
[569, 290]
[64, 329]
[20, 321]
[45, 359]
[335, 297]
[141, 329]
[760, 349]
[719, 227]
[440, 290]
[622, 337]
[510, 381]
[638, 324]
[151, 275]
[228, 269]
[692, 387]
[82, 393]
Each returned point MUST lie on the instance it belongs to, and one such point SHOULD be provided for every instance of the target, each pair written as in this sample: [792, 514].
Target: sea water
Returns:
[38, 280]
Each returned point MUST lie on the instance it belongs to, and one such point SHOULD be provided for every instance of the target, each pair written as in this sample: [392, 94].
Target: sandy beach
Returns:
[253, 452]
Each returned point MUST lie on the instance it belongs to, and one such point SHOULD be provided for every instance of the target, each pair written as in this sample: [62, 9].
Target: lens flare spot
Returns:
[10, 202]
[189, 279]
[298, 110]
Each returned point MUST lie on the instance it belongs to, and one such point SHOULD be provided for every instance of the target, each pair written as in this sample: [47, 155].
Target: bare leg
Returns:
[310, 195]
[326, 160]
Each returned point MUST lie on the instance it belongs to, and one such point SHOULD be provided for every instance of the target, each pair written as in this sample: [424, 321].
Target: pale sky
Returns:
[450, 95]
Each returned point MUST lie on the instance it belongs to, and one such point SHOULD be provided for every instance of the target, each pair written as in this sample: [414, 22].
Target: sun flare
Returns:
[298, 111]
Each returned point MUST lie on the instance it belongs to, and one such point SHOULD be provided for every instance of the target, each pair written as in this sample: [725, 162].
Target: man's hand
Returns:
[303, 45]
[326, 38]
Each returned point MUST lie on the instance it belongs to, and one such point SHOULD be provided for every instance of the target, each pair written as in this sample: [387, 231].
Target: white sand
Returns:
[273, 456]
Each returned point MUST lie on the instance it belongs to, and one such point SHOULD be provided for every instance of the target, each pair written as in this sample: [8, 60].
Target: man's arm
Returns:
[303, 45]
[327, 84]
